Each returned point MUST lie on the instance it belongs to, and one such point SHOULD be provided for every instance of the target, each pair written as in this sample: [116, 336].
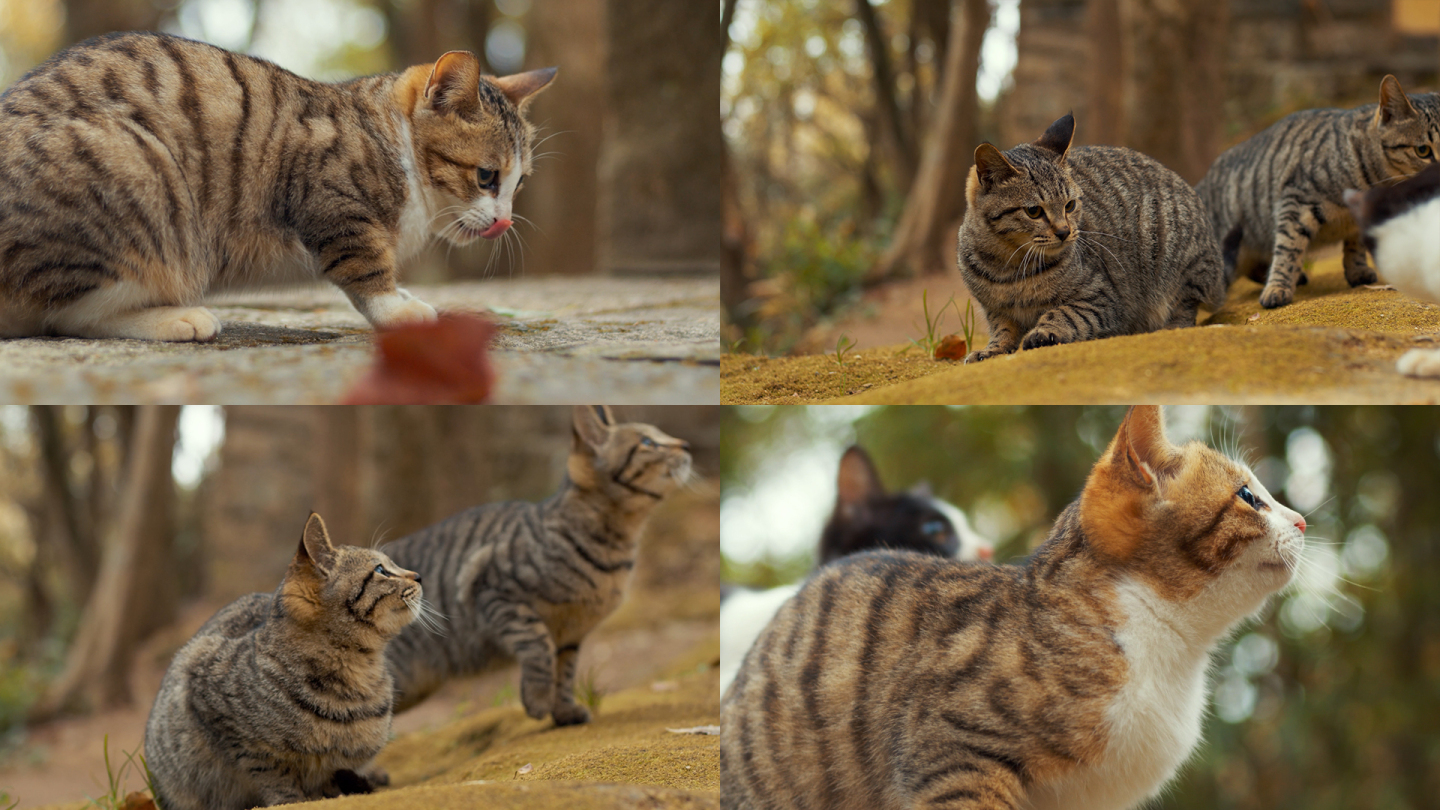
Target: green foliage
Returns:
[118, 775]
[932, 332]
[967, 324]
[587, 692]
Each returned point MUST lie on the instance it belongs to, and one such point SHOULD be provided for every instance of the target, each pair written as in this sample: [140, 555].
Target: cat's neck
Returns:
[620, 521]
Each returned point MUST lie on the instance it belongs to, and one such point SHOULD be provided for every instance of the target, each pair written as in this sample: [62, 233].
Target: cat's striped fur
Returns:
[526, 582]
[1064, 244]
[898, 680]
[1281, 192]
[284, 697]
[140, 170]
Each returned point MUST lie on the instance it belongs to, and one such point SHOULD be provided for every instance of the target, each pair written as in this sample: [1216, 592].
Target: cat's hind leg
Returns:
[1357, 270]
[1295, 226]
[525, 637]
[567, 711]
[125, 310]
[1419, 363]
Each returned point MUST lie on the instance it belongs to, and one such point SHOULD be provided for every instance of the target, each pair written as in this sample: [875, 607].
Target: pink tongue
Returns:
[500, 226]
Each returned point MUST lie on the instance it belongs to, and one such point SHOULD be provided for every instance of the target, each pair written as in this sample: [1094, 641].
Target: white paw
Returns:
[1419, 363]
[176, 324]
[397, 309]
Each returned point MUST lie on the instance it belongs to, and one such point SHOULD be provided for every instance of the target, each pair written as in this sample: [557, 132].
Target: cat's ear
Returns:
[454, 84]
[1126, 481]
[1058, 136]
[522, 87]
[991, 167]
[315, 547]
[858, 483]
[1394, 104]
[592, 426]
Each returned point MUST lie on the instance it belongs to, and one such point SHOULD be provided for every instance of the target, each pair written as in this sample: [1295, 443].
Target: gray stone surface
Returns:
[562, 340]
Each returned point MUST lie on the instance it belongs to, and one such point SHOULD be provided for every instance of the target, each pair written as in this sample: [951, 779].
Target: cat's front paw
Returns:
[975, 357]
[397, 309]
[538, 700]
[1275, 295]
[1041, 337]
[171, 324]
[1419, 363]
[571, 714]
[1358, 274]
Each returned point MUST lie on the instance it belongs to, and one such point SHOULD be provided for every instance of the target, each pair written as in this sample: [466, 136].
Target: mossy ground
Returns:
[1333, 344]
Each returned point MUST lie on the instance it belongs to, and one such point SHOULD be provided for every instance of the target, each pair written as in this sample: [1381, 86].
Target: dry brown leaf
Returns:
[951, 347]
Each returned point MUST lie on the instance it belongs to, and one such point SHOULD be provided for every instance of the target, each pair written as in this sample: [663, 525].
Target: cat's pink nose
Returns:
[1300, 524]
[498, 227]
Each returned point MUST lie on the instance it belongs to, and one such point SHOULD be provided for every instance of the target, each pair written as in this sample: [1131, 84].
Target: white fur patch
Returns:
[743, 616]
[971, 541]
[1419, 363]
[1407, 250]
[395, 309]
[415, 215]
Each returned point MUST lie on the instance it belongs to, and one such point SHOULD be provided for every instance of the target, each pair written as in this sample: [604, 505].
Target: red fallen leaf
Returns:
[951, 347]
[442, 362]
[138, 801]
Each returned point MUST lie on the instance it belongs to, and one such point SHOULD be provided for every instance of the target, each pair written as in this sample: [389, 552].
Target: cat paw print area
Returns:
[617, 340]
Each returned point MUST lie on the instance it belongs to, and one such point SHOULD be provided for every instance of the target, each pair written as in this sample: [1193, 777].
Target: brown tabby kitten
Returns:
[527, 582]
[1281, 192]
[1061, 245]
[1078, 682]
[140, 170]
[284, 697]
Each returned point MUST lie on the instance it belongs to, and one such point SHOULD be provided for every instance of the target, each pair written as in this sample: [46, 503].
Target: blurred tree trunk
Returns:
[1105, 120]
[734, 229]
[660, 156]
[1174, 59]
[74, 526]
[901, 140]
[123, 605]
[559, 198]
[938, 199]
[89, 18]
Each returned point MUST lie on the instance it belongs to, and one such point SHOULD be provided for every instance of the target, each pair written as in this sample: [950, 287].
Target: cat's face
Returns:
[628, 461]
[1025, 198]
[472, 145]
[353, 592]
[1188, 520]
[1408, 128]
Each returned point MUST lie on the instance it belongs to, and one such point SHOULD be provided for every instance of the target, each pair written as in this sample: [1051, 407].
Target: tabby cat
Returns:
[1078, 682]
[1400, 226]
[1281, 192]
[284, 697]
[527, 582]
[140, 170]
[865, 517]
[1064, 244]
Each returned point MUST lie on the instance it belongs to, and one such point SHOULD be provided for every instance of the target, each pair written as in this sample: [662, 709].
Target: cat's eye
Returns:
[1070, 207]
[933, 527]
[1249, 497]
[1034, 212]
[487, 177]
[380, 569]
[647, 441]
[1423, 150]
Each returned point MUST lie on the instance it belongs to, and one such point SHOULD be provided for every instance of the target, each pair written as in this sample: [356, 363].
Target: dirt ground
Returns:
[653, 663]
[1333, 344]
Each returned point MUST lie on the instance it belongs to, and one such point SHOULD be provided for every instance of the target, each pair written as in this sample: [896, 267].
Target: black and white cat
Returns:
[1400, 224]
[866, 517]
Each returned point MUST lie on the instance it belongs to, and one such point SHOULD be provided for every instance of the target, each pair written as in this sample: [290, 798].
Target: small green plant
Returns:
[5, 797]
[967, 324]
[113, 798]
[843, 344]
[505, 696]
[589, 694]
[928, 341]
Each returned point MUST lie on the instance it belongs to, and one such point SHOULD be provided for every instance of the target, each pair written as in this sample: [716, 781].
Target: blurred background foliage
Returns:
[851, 124]
[1330, 701]
[633, 100]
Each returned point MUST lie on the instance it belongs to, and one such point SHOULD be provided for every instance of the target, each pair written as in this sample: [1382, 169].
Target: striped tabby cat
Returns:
[1076, 683]
[284, 697]
[139, 171]
[527, 582]
[1064, 244]
[1281, 192]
